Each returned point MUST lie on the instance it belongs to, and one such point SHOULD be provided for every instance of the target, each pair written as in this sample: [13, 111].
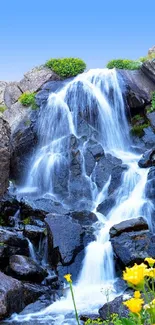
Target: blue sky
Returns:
[32, 31]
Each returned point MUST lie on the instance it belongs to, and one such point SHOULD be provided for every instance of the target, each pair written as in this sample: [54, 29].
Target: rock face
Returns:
[114, 307]
[24, 268]
[4, 155]
[132, 242]
[34, 79]
[11, 94]
[148, 68]
[148, 159]
[11, 295]
[2, 90]
[66, 251]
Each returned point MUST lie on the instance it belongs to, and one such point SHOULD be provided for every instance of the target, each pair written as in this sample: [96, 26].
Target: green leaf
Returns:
[126, 321]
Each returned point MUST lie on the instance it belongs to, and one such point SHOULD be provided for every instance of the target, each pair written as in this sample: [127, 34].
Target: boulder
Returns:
[34, 233]
[11, 94]
[16, 114]
[24, 268]
[2, 90]
[11, 296]
[148, 159]
[11, 243]
[106, 206]
[151, 118]
[66, 251]
[148, 67]
[148, 139]
[4, 155]
[34, 79]
[133, 247]
[114, 307]
[128, 226]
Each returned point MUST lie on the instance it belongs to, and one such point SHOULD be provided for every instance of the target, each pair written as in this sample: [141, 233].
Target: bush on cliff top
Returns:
[28, 99]
[124, 64]
[67, 67]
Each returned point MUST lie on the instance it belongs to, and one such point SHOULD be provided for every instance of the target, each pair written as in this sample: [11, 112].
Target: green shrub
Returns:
[138, 130]
[153, 100]
[137, 118]
[124, 64]
[28, 99]
[2, 109]
[67, 67]
[147, 57]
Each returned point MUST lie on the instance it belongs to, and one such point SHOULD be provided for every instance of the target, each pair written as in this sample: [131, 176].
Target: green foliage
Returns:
[28, 99]
[137, 117]
[124, 64]
[153, 100]
[113, 319]
[2, 109]
[66, 67]
[147, 57]
[138, 130]
[26, 221]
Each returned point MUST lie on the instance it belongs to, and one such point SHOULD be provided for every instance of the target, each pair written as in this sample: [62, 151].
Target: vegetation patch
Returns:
[138, 130]
[27, 221]
[28, 100]
[147, 57]
[124, 64]
[3, 109]
[66, 67]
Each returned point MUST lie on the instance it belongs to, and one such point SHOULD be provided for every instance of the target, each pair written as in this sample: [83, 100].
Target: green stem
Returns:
[76, 314]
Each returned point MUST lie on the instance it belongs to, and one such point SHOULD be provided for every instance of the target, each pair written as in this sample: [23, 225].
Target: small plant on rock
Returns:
[67, 67]
[124, 64]
[28, 100]
[3, 109]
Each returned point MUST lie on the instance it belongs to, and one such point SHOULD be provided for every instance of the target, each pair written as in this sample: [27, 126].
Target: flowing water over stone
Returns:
[90, 106]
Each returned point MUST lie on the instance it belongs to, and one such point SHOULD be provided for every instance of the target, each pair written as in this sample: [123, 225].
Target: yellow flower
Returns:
[150, 261]
[137, 294]
[134, 305]
[135, 275]
[150, 272]
[68, 277]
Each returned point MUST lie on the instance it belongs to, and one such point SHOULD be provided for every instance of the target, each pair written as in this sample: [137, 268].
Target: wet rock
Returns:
[31, 292]
[151, 118]
[4, 155]
[92, 153]
[11, 296]
[150, 185]
[34, 79]
[11, 94]
[66, 251]
[85, 218]
[24, 268]
[133, 247]
[148, 159]
[149, 138]
[148, 67]
[34, 233]
[128, 226]
[106, 206]
[47, 88]
[114, 307]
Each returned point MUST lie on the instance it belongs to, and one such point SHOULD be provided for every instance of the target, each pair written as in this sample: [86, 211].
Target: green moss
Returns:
[28, 99]
[138, 130]
[3, 109]
[27, 123]
[137, 117]
[27, 221]
[66, 67]
[124, 64]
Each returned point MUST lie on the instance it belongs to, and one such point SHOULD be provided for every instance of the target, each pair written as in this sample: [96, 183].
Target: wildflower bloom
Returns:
[150, 261]
[150, 272]
[68, 278]
[134, 305]
[135, 275]
[137, 294]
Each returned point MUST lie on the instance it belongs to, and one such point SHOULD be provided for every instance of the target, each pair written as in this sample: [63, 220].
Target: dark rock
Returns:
[34, 233]
[133, 247]
[106, 206]
[148, 159]
[92, 153]
[4, 155]
[128, 226]
[31, 292]
[24, 268]
[114, 307]
[85, 218]
[148, 67]
[11, 295]
[149, 137]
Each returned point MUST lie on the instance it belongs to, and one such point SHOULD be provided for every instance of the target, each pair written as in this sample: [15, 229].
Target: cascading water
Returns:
[96, 97]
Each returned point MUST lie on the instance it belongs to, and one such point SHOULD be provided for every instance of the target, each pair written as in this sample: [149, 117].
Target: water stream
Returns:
[97, 96]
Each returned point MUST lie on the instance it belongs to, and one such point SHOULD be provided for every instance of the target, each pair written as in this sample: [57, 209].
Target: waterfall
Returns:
[95, 96]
